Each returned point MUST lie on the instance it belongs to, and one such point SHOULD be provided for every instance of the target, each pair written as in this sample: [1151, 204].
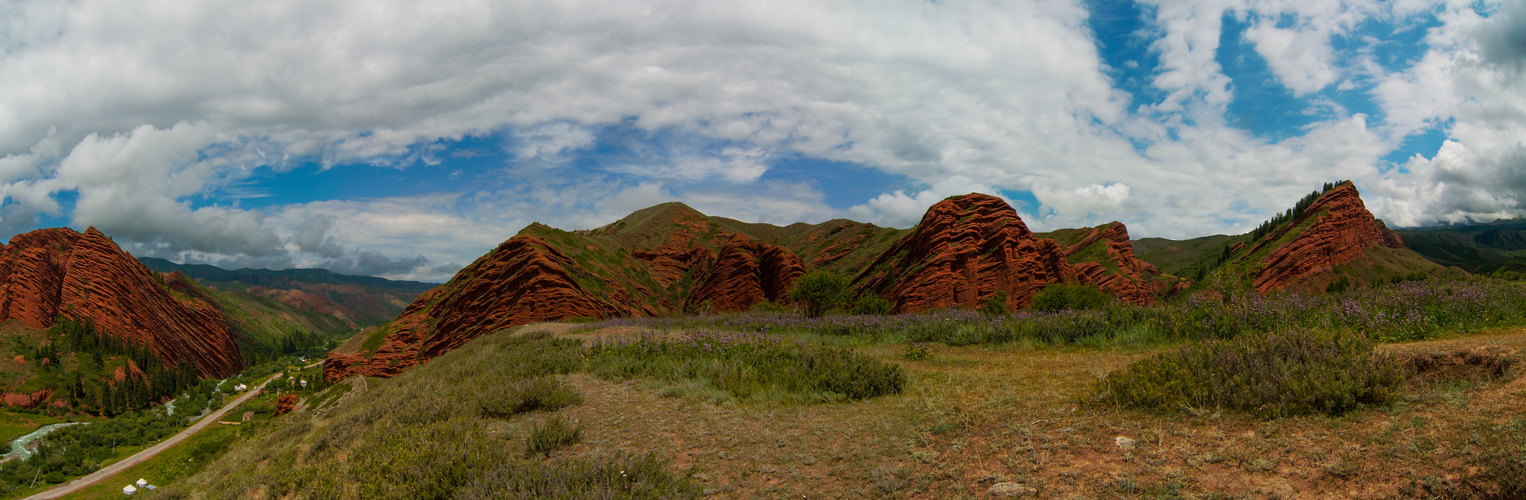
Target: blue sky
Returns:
[404, 140]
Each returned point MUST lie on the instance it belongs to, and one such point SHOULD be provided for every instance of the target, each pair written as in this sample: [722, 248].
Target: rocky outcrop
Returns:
[968, 248]
[671, 259]
[1120, 272]
[1334, 230]
[965, 249]
[748, 272]
[524, 280]
[29, 400]
[529, 279]
[52, 272]
[286, 404]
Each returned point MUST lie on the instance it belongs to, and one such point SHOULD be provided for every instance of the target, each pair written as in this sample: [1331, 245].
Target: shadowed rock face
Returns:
[970, 247]
[52, 272]
[748, 272]
[1342, 229]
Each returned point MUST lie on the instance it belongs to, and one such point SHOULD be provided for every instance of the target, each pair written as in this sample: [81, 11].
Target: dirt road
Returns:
[139, 457]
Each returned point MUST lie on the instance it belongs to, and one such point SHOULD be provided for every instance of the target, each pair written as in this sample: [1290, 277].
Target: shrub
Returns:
[820, 291]
[872, 305]
[1061, 296]
[616, 478]
[917, 351]
[749, 365]
[996, 304]
[554, 434]
[1264, 374]
[537, 394]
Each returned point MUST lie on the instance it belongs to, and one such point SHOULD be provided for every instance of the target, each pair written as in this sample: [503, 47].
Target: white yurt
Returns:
[141, 483]
[129, 490]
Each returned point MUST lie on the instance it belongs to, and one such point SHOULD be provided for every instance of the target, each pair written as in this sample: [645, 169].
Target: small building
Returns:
[141, 483]
[240, 387]
[129, 490]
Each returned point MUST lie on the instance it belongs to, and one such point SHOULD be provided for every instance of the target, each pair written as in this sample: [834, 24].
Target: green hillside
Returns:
[1489, 248]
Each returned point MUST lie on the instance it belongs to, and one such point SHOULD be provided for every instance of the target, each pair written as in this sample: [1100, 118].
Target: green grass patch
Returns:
[15, 424]
[751, 367]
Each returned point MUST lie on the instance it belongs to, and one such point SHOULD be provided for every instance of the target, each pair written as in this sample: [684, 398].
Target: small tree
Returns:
[1060, 296]
[872, 304]
[996, 304]
[820, 291]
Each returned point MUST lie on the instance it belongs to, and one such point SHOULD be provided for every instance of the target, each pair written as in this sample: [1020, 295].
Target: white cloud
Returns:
[1301, 60]
[145, 108]
[901, 210]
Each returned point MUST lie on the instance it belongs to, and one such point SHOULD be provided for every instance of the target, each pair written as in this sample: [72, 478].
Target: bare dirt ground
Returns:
[978, 416]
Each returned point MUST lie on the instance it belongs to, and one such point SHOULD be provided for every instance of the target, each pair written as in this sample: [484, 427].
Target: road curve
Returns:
[139, 457]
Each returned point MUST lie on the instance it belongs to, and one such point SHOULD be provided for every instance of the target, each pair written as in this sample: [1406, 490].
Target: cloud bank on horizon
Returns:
[404, 139]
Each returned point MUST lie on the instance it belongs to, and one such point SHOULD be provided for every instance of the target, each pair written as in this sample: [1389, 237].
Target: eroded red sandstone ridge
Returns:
[970, 247]
[749, 272]
[52, 272]
[1122, 274]
[1340, 231]
[528, 279]
[671, 258]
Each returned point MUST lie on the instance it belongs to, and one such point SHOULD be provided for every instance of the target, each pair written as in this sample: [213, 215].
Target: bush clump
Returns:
[552, 435]
[820, 291]
[1060, 296]
[872, 305]
[749, 366]
[536, 394]
[1265, 374]
[613, 478]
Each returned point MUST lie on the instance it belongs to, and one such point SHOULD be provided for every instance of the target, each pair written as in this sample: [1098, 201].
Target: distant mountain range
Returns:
[355, 300]
[1484, 248]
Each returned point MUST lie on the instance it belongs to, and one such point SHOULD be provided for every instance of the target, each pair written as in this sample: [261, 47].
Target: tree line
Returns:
[90, 382]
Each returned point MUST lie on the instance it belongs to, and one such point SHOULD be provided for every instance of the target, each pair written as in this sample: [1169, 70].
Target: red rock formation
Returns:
[522, 281]
[1129, 278]
[527, 279]
[33, 400]
[286, 404]
[748, 272]
[52, 272]
[1341, 231]
[965, 249]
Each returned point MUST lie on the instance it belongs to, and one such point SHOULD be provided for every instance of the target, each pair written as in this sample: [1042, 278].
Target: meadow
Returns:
[1407, 390]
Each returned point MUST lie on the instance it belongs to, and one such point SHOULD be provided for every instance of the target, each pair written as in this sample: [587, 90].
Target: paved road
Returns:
[139, 457]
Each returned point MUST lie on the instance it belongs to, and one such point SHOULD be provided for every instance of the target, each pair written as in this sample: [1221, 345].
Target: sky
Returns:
[405, 139]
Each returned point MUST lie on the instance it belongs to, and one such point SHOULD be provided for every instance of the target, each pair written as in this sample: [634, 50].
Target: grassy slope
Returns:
[1173, 256]
[971, 417]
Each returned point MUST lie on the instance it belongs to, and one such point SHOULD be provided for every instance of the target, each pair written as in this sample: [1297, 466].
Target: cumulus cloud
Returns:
[902, 210]
[108, 101]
